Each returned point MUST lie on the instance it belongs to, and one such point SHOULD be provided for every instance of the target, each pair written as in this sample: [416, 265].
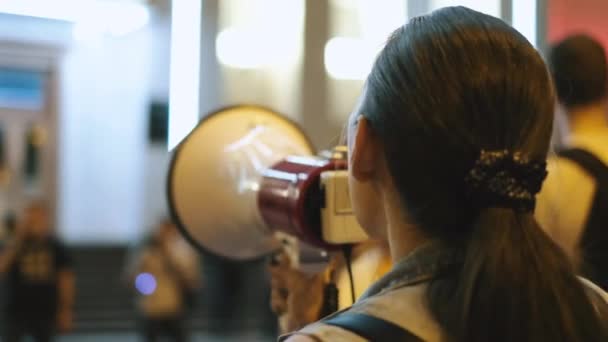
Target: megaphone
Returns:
[245, 173]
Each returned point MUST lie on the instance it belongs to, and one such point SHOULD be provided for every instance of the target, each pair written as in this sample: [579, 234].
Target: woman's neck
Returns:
[403, 237]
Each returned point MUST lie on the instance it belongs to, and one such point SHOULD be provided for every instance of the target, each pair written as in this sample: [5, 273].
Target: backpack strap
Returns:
[600, 304]
[593, 242]
[371, 328]
[589, 162]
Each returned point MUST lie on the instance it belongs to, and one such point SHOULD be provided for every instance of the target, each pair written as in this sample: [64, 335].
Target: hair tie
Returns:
[505, 180]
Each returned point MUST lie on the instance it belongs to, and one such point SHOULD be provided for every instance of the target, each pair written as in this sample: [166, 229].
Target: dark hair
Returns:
[579, 69]
[445, 87]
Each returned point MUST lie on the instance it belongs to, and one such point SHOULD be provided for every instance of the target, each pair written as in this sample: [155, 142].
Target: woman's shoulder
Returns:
[598, 297]
[594, 288]
[301, 338]
[404, 307]
[320, 332]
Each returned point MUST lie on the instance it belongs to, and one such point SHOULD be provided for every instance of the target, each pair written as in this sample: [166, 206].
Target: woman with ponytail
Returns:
[447, 153]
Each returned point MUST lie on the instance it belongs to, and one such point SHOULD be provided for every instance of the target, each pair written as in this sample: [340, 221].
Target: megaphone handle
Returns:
[330, 299]
[283, 251]
[274, 258]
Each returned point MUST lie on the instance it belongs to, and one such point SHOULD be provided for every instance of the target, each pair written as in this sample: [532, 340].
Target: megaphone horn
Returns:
[246, 172]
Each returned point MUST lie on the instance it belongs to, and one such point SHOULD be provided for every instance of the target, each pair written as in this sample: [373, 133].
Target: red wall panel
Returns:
[566, 17]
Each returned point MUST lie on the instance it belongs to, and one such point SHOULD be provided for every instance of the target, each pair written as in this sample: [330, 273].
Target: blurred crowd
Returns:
[39, 280]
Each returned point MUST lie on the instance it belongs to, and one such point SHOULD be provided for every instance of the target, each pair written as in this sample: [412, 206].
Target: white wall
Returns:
[155, 201]
[157, 157]
[491, 7]
[110, 181]
[275, 33]
[104, 99]
[114, 186]
[34, 30]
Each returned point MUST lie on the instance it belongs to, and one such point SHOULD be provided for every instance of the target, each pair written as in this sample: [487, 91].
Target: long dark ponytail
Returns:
[445, 87]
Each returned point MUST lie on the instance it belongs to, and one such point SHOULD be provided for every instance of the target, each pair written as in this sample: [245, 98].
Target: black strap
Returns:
[593, 242]
[371, 328]
[589, 162]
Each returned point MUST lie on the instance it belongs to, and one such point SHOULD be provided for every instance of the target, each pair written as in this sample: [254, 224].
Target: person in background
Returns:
[39, 280]
[166, 275]
[573, 203]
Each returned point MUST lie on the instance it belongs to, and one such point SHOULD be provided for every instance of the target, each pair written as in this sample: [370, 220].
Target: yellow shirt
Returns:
[567, 194]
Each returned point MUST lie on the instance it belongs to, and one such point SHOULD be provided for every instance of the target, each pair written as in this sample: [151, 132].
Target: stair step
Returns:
[105, 303]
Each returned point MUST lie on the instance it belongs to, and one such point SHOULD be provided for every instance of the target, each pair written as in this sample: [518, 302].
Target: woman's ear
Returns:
[364, 152]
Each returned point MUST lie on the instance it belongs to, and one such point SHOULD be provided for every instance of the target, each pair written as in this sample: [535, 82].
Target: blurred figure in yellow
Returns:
[39, 277]
[573, 204]
[166, 275]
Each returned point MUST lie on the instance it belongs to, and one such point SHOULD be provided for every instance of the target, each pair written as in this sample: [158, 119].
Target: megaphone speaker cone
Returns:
[216, 173]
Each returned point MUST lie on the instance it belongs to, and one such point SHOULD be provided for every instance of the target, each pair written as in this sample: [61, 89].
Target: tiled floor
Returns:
[134, 338]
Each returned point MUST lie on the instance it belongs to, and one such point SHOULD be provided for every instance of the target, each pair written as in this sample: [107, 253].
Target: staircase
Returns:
[104, 302]
[233, 300]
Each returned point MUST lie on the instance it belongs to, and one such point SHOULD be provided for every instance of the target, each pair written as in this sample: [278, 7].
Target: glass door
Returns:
[27, 121]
